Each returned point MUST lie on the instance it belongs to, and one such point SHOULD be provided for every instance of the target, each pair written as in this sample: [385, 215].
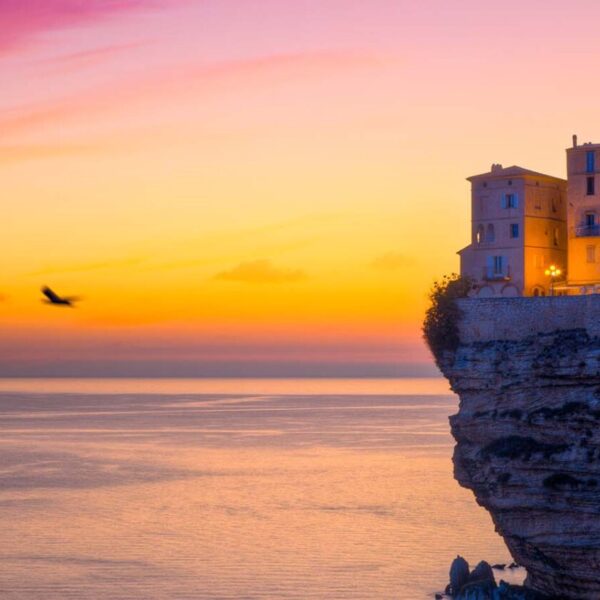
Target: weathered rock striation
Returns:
[528, 432]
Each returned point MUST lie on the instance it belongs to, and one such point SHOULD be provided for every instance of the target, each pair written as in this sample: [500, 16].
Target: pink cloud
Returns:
[205, 79]
[86, 58]
[24, 19]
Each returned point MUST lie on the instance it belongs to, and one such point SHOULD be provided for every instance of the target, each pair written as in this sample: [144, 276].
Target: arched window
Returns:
[480, 234]
[491, 233]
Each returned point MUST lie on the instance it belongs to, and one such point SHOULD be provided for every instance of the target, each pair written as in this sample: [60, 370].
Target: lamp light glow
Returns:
[553, 272]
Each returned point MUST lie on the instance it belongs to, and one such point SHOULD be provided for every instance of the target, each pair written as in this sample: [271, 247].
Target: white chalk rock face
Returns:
[528, 445]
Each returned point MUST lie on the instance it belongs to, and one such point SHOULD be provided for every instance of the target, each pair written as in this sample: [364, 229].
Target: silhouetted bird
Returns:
[53, 298]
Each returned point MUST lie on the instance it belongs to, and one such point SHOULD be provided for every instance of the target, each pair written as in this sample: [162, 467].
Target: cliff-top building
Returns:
[583, 216]
[518, 230]
[524, 223]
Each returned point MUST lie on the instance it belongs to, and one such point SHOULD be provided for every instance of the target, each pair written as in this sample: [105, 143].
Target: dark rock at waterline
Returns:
[478, 590]
[504, 591]
[480, 584]
[470, 584]
[459, 575]
[481, 573]
[499, 566]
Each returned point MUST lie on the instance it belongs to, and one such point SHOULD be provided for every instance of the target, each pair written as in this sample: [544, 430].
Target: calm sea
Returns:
[198, 489]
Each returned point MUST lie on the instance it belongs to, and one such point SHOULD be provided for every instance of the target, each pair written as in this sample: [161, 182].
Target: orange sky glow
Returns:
[261, 187]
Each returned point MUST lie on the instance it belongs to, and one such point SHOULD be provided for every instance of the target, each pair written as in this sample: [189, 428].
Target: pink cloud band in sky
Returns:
[24, 19]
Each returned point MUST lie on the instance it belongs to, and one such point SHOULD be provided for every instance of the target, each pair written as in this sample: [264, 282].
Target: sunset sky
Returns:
[262, 187]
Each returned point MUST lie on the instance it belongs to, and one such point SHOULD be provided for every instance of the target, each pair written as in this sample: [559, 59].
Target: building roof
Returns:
[514, 171]
[585, 146]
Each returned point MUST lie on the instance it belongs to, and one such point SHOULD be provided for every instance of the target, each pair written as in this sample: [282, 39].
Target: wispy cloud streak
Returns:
[198, 79]
[91, 57]
[261, 271]
[24, 19]
[392, 261]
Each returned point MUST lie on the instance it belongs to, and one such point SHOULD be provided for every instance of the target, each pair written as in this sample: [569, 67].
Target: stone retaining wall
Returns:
[487, 319]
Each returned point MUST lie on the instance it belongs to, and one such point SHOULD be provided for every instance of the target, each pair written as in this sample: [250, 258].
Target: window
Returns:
[491, 233]
[591, 187]
[590, 254]
[510, 182]
[514, 230]
[556, 236]
[553, 204]
[498, 265]
[509, 201]
[590, 219]
[590, 161]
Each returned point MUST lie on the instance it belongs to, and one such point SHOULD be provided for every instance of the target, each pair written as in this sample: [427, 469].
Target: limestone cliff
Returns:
[528, 434]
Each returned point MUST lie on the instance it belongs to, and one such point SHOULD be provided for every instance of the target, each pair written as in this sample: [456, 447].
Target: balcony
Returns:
[489, 274]
[587, 231]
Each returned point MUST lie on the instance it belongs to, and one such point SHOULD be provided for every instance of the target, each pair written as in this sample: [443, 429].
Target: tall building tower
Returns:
[518, 230]
[583, 214]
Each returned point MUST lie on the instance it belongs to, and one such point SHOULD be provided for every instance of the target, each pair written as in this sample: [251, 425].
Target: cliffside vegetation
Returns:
[440, 328]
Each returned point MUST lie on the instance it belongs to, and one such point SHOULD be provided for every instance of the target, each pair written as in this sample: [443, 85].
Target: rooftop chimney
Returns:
[496, 168]
[574, 141]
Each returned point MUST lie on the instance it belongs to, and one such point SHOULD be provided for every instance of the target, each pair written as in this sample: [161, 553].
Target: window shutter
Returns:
[516, 200]
[504, 201]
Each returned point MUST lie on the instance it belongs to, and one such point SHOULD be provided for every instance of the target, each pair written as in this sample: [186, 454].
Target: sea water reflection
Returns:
[231, 489]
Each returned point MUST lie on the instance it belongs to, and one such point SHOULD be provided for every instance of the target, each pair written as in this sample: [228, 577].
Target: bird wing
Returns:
[50, 294]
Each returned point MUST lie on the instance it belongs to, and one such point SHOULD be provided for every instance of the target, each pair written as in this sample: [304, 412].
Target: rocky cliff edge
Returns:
[527, 371]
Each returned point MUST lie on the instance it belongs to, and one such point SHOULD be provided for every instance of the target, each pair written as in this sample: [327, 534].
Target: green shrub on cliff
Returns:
[440, 328]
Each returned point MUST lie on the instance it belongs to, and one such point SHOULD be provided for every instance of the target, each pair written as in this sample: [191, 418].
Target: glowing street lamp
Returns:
[553, 273]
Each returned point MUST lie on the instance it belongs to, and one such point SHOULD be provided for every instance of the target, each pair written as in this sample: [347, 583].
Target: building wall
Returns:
[486, 211]
[545, 239]
[490, 319]
[540, 212]
[584, 242]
